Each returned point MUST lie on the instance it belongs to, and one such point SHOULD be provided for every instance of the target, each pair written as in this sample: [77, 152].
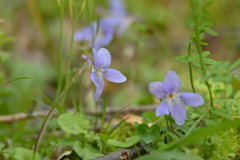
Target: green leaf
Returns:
[204, 44]
[234, 65]
[220, 113]
[86, 151]
[228, 78]
[224, 65]
[237, 95]
[148, 134]
[8, 150]
[229, 90]
[74, 123]
[1, 146]
[146, 117]
[211, 32]
[219, 91]
[169, 155]
[129, 142]
[26, 154]
[104, 137]
[201, 134]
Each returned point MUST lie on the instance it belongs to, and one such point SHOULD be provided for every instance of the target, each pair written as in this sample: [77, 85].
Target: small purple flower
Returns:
[102, 38]
[117, 23]
[102, 60]
[119, 13]
[172, 100]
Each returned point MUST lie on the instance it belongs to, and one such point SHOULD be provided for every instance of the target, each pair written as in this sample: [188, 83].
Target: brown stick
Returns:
[109, 111]
[123, 154]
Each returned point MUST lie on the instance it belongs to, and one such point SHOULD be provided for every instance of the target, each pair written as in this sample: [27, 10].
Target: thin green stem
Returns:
[199, 48]
[167, 122]
[190, 66]
[201, 150]
[60, 53]
[117, 114]
[139, 155]
[196, 123]
[44, 125]
[170, 117]
[70, 52]
[104, 108]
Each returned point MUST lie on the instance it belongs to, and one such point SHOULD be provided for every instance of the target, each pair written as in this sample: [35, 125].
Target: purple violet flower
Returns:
[102, 38]
[119, 13]
[102, 60]
[117, 23]
[172, 100]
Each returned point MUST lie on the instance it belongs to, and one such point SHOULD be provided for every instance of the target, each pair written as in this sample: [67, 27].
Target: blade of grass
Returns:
[15, 80]
[44, 125]
[117, 114]
[114, 128]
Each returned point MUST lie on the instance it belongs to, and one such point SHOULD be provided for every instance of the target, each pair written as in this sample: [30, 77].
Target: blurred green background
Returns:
[144, 53]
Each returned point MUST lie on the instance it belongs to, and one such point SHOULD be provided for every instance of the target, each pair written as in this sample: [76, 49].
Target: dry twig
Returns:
[109, 111]
[123, 154]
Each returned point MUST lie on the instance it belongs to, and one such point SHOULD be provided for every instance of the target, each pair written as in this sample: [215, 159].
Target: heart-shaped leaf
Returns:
[148, 134]
[74, 123]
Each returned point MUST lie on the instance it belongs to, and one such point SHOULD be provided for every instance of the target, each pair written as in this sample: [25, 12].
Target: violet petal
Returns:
[156, 88]
[191, 99]
[99, 89]
[93, 77]
[172, 82]
[114, 75]
[162, 109]
[179, 112]
[104, 57]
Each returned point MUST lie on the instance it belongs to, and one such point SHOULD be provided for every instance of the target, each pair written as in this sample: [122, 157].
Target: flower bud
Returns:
[87, 60]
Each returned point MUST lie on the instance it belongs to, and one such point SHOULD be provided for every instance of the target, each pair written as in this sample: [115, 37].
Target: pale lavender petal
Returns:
[172, 82]
[83, 35]
[103, 38]
[191, 99]
[114, 75]
[94, 78]
[156, 88]
[97, 60]
[162, 109]
[117, 7]
[99, 89]
[179, 112]
[125, 23]
[109, 22]
[105, 57]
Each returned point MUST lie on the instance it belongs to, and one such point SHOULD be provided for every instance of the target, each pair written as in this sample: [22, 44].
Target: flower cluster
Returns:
[168, 90]
[116, 23]
[172, 100]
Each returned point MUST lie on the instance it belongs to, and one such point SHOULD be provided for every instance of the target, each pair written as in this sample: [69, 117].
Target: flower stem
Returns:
[170, 117]
[201, 150]
[190, 67]
[199, 48]
[104, 108]
[60, 53]
[167, 122]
